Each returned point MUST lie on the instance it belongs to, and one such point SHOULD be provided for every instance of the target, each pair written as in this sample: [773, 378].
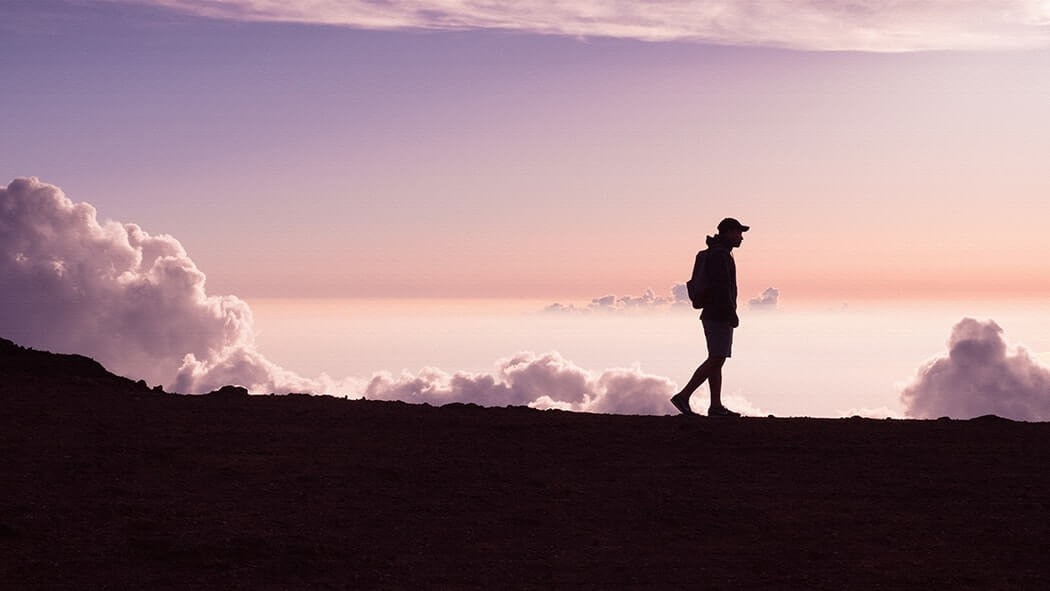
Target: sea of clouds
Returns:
[137, 303]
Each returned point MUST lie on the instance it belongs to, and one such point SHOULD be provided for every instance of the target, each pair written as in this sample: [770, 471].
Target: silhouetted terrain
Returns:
[108, 484]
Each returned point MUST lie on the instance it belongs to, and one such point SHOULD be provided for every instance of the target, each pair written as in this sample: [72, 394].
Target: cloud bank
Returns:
[137, 303]
[649, 301]
[822, 25]
[613, 303]
[980, 376]
[539, 381]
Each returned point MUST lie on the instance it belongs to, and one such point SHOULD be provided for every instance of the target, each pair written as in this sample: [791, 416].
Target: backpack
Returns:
[697, 284]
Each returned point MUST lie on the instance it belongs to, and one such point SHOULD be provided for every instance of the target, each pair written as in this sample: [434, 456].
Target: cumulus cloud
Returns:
[850, 25]
[980, 376]
[541, 381]
[134, 301]
[613, 303]
[680, 294]
[766, 301]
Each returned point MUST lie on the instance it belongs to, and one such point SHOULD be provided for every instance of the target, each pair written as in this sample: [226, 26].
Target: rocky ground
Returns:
[108, 484]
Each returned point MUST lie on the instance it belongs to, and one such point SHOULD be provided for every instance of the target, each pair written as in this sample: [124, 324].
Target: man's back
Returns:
[720, 268]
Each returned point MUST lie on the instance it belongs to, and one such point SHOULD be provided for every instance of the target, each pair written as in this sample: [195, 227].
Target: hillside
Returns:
[109, 484]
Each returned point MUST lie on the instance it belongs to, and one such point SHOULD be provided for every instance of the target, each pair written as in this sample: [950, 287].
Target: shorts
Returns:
[719, 334]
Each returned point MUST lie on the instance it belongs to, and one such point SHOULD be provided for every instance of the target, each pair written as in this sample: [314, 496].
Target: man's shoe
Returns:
[681, 405]
[721, 411]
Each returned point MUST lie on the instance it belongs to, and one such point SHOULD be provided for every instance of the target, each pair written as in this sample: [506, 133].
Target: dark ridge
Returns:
[229, 392]
[18, 360]
[992, 419]
[37, 369]
[109, 486]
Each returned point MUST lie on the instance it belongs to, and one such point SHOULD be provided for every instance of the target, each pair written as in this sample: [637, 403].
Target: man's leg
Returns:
[710, 369]
[702, 373]
[719, 348]
[681, 399]
[714, 379]
[718, 341]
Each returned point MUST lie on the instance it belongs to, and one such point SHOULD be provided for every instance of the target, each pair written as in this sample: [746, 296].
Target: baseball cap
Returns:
[732, 224]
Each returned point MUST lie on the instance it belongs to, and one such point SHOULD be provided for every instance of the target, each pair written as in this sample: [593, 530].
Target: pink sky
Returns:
[294, 160]
[321, 151]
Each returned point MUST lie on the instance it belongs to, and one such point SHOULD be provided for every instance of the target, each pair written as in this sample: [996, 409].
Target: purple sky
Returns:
[530, 150]
[314, 160]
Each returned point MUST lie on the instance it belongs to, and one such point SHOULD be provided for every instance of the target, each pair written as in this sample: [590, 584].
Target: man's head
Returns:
[732, 231]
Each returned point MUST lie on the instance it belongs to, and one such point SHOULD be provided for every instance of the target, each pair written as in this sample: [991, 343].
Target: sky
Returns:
[297, 159]
[541, 151]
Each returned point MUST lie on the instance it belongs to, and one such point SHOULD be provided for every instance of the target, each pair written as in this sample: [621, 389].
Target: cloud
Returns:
[649, 301]
[881, 412]
[544, 381]
[541, 381]
[980, 376]
[680, 294]
[612, 303]
[735, 402]
[767, 301]
[850, 25]
[134, 301]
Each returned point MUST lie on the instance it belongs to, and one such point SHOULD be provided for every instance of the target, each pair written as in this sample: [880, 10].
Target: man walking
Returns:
[719, 317]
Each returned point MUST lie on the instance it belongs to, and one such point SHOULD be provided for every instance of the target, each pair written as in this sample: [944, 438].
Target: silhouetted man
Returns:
[719, 317]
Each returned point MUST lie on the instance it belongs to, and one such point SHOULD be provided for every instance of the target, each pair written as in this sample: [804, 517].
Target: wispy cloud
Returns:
[852, 25]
